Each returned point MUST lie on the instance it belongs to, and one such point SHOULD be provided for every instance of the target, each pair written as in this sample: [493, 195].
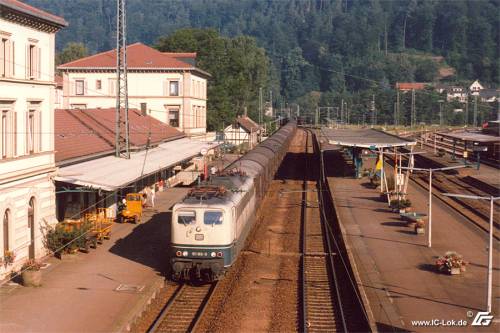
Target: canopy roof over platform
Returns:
[110, 173]
[364, 138]
[472, 137]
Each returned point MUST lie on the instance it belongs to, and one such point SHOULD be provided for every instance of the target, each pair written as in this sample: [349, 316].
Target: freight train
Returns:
[211, 224]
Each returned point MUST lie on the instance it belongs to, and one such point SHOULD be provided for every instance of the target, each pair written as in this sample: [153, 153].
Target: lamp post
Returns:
[490, 242]
[431, 171]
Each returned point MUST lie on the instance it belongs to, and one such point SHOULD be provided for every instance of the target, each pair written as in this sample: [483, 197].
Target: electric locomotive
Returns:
[210, 226]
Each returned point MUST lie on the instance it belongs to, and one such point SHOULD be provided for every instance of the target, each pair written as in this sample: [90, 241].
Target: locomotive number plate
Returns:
[199, 237]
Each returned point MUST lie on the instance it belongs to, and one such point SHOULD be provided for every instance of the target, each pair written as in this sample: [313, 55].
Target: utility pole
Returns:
[271, 102]
[396, 118]
[395, 115]
[440, 112]
[342, 111]
[413, 111]
[475, 112]
[374, 112]
[260, 105]
[121, 124]
[466, 111]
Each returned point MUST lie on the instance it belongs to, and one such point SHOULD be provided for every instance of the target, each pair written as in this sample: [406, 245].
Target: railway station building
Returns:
[167, 86]
[89, 175]
[27, 166]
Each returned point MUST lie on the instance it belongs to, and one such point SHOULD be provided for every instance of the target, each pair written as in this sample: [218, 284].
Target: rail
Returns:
[184, 309]
[322, 307]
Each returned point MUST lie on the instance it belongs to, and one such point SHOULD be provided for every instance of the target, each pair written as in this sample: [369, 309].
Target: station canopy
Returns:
[472, 137]
[363, 138]
[110, 173]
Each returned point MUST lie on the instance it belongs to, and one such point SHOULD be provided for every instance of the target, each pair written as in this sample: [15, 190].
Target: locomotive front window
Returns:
[212, 218]
[186, 218]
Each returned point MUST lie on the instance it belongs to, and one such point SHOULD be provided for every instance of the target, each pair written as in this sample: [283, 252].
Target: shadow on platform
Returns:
[148, 243]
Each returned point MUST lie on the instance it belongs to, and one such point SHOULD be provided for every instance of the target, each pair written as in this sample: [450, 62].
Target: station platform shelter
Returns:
[363, 143]
[478, 145]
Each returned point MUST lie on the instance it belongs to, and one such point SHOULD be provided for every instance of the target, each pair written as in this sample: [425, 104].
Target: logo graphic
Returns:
[482, 319]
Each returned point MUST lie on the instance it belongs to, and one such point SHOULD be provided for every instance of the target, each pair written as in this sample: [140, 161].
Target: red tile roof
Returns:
[138, 56]
[410, 86]
[88, 132]
[248, 124]
[30, 10]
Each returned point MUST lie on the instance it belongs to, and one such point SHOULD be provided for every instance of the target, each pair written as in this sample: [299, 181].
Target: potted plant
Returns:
[419, 227]
[31, 273]
[452, 263]
[8, 257]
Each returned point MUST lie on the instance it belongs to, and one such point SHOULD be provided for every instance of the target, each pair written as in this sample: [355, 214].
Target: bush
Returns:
[65, 238]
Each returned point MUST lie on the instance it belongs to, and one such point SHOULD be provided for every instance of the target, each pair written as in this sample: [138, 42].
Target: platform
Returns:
[397, 268]
[80, 293]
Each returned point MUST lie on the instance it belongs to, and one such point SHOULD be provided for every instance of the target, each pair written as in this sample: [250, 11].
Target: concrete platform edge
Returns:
[126, 321]
[364, 297]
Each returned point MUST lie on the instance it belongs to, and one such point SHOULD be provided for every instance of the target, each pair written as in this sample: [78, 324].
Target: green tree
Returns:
[237, 65]
[71, 51]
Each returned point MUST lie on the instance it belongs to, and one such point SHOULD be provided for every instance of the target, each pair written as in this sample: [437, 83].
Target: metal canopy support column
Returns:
[122, 127]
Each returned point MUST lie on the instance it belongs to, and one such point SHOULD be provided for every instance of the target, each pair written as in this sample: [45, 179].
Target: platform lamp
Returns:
[492, 199]
[431, 171]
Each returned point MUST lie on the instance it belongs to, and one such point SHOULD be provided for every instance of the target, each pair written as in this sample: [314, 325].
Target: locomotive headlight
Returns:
[185, 253]
[219, 254]
[212, 254]
[178, 253]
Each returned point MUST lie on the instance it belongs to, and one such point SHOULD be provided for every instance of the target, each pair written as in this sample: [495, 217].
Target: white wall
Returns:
[151, 88]
[24, 175]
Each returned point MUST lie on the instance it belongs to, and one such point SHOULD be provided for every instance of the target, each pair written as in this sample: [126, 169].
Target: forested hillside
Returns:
[344, 48]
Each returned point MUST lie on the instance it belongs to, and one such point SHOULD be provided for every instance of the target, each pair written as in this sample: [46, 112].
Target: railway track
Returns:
[321, 301]
[184, 309]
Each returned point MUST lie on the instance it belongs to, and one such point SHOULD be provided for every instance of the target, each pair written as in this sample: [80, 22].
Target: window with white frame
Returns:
[5, 133]
[8, 123]
[173, 116]
[32, 61]
[4, 57]
[33, 132]
[173, 88]
[79, 87]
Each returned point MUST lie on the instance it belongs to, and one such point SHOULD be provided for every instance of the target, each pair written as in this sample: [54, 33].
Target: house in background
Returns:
[475, 88]
[168, 86]
[489, 95]
[243, 131]
[27, 193]
[453, 93]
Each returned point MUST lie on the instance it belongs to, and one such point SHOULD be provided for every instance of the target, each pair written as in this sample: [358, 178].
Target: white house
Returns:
[243, 130]
[27, 195]
[166, 85]
[475, 88]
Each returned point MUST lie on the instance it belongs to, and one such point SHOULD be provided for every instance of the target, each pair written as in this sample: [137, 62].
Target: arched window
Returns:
[6, 216]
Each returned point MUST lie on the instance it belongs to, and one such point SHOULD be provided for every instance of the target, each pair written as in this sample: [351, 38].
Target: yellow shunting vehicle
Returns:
[132, 211]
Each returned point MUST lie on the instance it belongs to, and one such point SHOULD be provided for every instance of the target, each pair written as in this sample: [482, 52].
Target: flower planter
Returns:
[31, 278]
[455, 271]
